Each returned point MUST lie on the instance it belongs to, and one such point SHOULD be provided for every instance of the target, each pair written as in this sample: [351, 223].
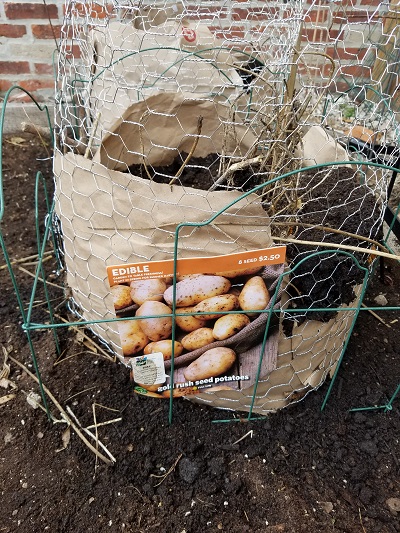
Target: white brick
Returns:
[38, 51]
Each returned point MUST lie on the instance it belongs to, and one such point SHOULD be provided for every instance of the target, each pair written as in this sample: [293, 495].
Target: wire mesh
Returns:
[224, 119]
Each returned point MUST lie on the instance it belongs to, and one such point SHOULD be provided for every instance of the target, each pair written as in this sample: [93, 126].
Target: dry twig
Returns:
[376, 316]
[25, 259]
[340, 247]
[64, 414]
[92, 135]
[191, 152]
[164, 476]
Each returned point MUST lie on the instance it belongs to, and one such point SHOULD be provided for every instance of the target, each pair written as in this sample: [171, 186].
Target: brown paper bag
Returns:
[157, 54]
[108, 218]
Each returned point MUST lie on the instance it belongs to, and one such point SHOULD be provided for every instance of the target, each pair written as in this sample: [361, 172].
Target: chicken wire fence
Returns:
[214, 128]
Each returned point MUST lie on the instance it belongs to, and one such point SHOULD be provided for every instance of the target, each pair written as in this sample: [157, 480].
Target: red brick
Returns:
[370, 2]
[36, 84]
[44, 68]
[92, 10]
[5, 85]
[13, 31]
[30, 11]
[254, 13]
[14, 67]
[46, 31]
[348, 53]
[316, 35]
[316, 16]
[354, 16]
[71, 52]
[228, 33]
[359, 71]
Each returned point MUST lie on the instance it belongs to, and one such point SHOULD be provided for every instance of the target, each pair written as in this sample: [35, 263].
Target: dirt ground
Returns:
[297, 470]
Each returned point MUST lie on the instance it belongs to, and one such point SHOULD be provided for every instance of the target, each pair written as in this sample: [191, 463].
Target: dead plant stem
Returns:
[63, 413]
[340, 247]
[191, 152]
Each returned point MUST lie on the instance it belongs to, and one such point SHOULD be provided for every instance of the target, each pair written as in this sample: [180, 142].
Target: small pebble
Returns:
[381, 300]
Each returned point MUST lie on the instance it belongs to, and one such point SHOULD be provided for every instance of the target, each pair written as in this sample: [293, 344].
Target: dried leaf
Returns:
[90, 345]
[6, 398]
[5, 383]
[33, 399]
[16, 140]
[66, 436]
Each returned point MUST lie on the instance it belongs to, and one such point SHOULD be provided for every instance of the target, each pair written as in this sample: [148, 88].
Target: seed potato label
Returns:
[149, 369]
[194, 265]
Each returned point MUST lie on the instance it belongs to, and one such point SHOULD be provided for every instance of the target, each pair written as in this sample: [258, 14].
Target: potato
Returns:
[255, 295]
[121, 296]
[212, 363]
[239, 272]
[147, 289]
[224, 302]
[191, 291]
[165, 347]
[133, 339]
[189, 323]
[228, 325]
[159, 328]
[197, 339]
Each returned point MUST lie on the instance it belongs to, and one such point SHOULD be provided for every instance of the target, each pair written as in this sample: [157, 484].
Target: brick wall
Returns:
[341, 28]
[27, 42]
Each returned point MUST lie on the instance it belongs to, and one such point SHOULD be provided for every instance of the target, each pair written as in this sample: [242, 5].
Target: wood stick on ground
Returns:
[44, 133]
[340, 247]
[91, 436]
[376, 316]
[22, 269]
[331, 230]
[63, 413]
[91, 341]
[25, 259]
[106, 423]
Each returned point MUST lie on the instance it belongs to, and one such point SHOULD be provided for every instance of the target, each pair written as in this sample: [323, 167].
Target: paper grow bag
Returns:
[109, 217]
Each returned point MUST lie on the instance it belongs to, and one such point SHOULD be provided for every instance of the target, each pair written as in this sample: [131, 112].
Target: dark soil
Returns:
[339, 200]
[299, 470]
[199, 173]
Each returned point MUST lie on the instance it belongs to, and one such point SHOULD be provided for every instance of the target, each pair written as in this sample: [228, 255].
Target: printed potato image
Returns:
[133, 339]
[212, 363]
[189, 323]
[158, 328]
[197, 339]
[121, 296]
[186, 276]
[236, 290]
[147, 289]
[236, 273]
[254, 295]
[225, 302]
[181, 391]
[191, 291]
[165, 347]
[228, 325]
